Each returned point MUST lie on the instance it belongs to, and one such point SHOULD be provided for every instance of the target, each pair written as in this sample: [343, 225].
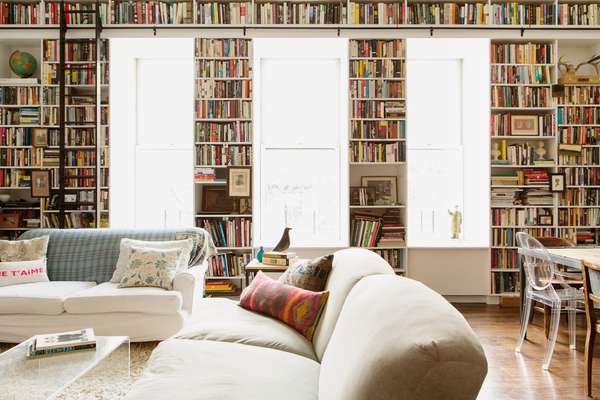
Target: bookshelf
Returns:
[223, 138]
[378, 147]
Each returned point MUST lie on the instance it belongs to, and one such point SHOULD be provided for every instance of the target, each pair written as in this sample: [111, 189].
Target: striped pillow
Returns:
[296, 307]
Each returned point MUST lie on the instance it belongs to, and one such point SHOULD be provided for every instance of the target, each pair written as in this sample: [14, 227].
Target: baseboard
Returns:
[466, 299]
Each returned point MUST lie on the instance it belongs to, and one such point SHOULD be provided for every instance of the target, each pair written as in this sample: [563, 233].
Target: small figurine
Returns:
[496, 151]
[260, 254]
[540, 151]
[456, 222]
[284, 242]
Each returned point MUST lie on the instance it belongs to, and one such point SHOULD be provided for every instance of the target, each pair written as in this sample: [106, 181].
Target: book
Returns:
[65, 339]
[279, 261]
[279, 254]
[33, 353]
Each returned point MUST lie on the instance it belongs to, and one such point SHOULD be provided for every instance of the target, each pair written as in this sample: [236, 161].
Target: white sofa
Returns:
[79, 294]
[381, 337]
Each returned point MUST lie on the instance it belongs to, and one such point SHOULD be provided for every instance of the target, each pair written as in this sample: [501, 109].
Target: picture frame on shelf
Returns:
[557, 182]
[524, 125]
[245, 205]
[70, 198]
[239, 182]
[215, 200]
[385, 189]
[362, 196]
[40, 183]
[39, 137]
[545, 220]
[10, 220]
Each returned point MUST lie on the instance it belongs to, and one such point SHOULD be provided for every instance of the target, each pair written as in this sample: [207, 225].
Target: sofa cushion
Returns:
[39, 298]
[224, 320]
[108, 297]
[148, 267]
[309, 274]
[349, 267]
[24, 250]
[207, 370]
[406, 342]
[20, 272]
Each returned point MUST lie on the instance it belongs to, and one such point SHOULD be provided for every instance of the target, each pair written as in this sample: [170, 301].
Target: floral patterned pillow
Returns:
[24, 250]
[151, 268]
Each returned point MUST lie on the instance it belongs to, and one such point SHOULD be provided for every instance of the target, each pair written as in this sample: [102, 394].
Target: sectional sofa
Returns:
[380, 337]
[80, 265]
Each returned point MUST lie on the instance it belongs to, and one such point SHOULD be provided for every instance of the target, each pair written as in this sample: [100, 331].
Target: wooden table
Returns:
[253, 268]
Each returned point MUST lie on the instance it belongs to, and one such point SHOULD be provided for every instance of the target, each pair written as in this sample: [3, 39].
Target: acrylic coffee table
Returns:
[48, 377]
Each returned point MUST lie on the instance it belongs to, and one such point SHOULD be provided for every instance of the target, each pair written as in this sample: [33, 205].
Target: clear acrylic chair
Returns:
[542, 276]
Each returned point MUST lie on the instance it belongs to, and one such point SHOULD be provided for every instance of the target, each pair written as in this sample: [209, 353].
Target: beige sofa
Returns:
[380, 337]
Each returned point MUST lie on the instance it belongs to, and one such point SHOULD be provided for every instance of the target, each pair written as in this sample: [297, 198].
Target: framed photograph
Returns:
[40, 183]
[245, 206]
[524, 125]
[362, 196]
[215, 200]
[545, 220]
[239, 182]
[385, 189]
[39, 137]
[557, 182]
[71, 198]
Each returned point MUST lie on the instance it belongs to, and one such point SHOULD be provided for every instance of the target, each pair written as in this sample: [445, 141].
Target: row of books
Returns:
[579, 95]
[526, 176]
[517, 154]
[18, 13]
[377, 152]
[579, 135]
[448, 13]
[509, 197]
[522, 53]
[579, 217]
[522, 74]
[76, 16]
[80, 158]
[230, 232]
[212, 154]
[29, 95]
[388, 68]
[394, 257]
[578, 115]
[501, 124]
[237, 131]
[378, 109]
[15, 136]
[223, 68]
[376, 89]
[505, 282]
[521, 96]
[522, 14]
[588, 156]
[77, 137]
[378, 48]
[214, 89]
[364, 230]
[579, 14]
[271, 13]
[580, 197]
[376, 13]
[504, 259]
[507, 237]
[73, 220]
[83, 177]
[151, 12]
[207, 109]
[210, 48]
[19, 116]
[20, 157]
[581, 176]
[75, 51]
[15, 178]
[228, 264]
[518, 216]
[73, 76]
[378, 129]
[224, 13]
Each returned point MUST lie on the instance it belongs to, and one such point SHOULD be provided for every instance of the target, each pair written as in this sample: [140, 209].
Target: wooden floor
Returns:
[520, 376]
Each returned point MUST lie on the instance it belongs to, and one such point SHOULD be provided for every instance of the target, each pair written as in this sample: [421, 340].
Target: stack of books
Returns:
[220, 287]
[536, 176]
[364, 231]
[65, 342]
[204, 174]
[538, 197]
[507, 178]
[392, 231]
[503, 197]
[277, 258]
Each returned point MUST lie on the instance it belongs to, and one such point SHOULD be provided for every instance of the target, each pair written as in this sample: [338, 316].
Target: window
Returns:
[447, 120]
[301, 112]
[152, 153]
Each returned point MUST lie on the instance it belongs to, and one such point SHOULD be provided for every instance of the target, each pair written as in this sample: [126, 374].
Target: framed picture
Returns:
[239, 182]
[39, 137]
[216, 200]
[71, 198]
[545, 220]
[362, 196]
[524, 125]
[9, 220]
[245, 206]
[385, 189]
[40, 183]
[557, 182]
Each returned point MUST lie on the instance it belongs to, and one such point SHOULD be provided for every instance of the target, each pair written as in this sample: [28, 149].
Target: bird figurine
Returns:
[260, 254]
[284, 242]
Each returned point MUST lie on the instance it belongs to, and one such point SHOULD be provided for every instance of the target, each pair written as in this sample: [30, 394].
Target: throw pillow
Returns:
[19, 272]
[309, 275]
[24, 250]
[151, 268]
[186, 245]
[299, 308]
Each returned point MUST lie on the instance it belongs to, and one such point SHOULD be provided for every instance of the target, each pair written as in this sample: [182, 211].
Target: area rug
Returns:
[101, 384]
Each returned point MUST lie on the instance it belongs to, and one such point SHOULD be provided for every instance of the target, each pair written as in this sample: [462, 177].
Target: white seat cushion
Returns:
[107, 297]
[208, 370]
[39, 298]
[223, 320]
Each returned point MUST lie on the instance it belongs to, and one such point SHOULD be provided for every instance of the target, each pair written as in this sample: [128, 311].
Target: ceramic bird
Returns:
[284, 242]
[260, 254]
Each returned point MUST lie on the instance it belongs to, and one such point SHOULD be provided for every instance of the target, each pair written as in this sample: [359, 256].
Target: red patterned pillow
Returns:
[297, 307]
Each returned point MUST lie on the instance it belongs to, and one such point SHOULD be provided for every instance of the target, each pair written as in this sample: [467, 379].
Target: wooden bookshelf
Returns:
[223, 138]
[377, 145]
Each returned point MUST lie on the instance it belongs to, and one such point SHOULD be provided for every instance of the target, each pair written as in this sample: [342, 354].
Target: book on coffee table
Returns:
[43, 345]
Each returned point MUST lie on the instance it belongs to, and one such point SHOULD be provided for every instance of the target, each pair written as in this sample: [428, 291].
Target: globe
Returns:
[22, 64]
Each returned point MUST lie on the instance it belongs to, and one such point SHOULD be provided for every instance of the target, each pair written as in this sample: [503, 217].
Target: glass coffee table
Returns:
[55, 376]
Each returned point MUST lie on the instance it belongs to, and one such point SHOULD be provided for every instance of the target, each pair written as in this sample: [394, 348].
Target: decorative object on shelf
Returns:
[39, 137]
[215, 200]
[545, 220]
[386, 192]
[40, 183]
[557, 182]
[284, 242]
[4, 198]
[9, 220]
[245, 205]
[71, 198]
[456, 222]
[22, 63]
[540, 151]
[239, 182]
[524, 125]
[496, 151]
[362, 196]
[260, 254]
[569, 71]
